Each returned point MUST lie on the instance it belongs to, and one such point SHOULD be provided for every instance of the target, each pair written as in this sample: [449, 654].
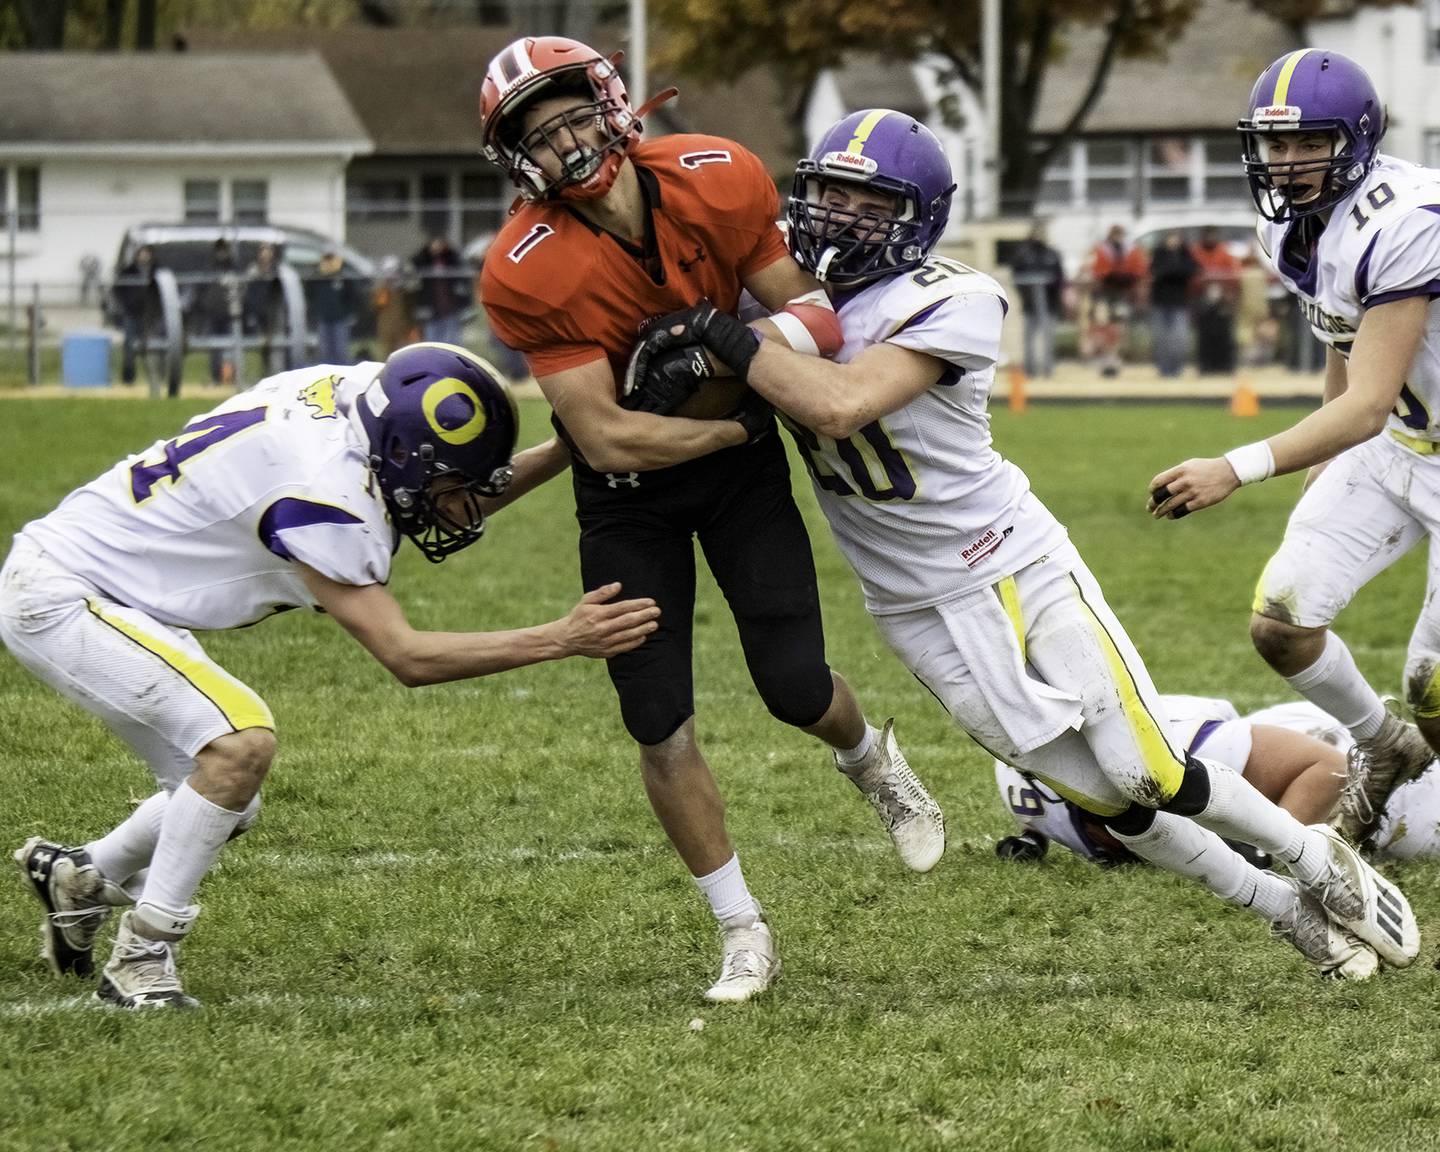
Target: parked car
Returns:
[188, 250]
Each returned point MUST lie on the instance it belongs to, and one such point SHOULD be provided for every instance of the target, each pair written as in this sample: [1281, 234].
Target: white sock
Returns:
[1334, 684]
[1181, 846]
[853, 757]
[191, 836]
[1237, 811]
[729, 898]
[121, 853]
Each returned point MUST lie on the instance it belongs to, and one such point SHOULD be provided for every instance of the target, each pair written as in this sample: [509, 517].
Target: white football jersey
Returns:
[1382, 243]
[920, 502]
[200, 531]
[1410, 825]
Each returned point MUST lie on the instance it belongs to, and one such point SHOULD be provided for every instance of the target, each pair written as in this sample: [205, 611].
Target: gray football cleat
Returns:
[141, 972]
[750, 966]
[1375, 768]
[1362, 901]
[74, 895]
[1333, 950]
[909, 813]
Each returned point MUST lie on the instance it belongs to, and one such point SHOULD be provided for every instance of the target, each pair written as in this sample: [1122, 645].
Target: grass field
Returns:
[457, 925]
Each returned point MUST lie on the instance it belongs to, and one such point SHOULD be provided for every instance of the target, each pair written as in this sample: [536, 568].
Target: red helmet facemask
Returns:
[555, 66]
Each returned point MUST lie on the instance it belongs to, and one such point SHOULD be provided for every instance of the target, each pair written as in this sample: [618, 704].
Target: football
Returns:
[715, 400]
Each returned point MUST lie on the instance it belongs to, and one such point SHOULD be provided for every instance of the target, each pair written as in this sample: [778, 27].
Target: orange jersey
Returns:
[565, 293]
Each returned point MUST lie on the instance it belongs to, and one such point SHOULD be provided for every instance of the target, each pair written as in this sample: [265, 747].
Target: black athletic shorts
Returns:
[638, 528]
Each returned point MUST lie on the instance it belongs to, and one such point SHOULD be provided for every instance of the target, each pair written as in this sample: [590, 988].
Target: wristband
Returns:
[1252, 462]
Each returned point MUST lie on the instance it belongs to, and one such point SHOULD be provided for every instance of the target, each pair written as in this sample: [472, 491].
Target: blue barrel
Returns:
[85, 359]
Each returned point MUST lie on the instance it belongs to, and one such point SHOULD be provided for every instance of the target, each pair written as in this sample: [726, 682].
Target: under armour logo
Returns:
[614, 480]
[698, 258]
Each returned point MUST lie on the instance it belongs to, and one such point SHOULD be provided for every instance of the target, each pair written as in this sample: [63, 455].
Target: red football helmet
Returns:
[539, 66]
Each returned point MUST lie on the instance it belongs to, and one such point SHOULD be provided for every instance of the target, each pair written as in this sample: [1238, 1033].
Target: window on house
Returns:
[1224, 174]
[435, 204]
[202, 201]
[27, 199]
[372, 198]
[20, 187]
[1432, 30]
[1057, 185]
[1168, 166]
[250, 201]
[482, 203]
[1109, 171]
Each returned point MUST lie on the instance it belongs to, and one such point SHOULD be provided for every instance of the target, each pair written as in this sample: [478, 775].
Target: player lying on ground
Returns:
[613, 231]
[1294, 754]
[970, 578]
[292, 494]
[1355, 236]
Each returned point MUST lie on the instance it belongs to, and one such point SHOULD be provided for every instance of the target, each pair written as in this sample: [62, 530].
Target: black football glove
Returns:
[721, 335]
[661, 381]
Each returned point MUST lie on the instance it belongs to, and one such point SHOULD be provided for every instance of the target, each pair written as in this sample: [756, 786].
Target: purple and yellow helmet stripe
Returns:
[863, 130]
[1288, 64]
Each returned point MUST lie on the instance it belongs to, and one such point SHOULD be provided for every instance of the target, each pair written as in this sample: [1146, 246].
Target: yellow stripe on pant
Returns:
[1010, 601]
[240, 706]
[1164, 768]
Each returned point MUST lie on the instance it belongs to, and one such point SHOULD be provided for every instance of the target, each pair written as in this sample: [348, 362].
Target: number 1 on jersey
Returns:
[200, 434]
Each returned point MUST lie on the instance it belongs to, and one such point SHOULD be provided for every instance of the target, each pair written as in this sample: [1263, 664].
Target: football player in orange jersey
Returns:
[609, 233]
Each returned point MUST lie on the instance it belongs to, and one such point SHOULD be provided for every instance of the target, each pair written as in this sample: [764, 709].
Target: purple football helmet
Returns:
[433, 411]
[1310, 91]
[891, 153]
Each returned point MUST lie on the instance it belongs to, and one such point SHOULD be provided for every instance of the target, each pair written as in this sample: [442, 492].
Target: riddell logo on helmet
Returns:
[1277, 114]
[849, 162]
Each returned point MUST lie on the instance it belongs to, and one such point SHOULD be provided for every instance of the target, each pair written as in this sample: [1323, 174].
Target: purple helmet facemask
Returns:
[881, 150]
[1310, 92]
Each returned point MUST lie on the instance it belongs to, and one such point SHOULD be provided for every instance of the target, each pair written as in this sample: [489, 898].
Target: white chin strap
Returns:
[822, 266]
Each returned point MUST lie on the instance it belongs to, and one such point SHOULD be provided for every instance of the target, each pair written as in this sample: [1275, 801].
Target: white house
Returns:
[91, 144]
[1400, 48]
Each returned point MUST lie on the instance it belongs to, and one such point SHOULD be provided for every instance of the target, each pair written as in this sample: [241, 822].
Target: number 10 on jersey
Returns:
[876, 466]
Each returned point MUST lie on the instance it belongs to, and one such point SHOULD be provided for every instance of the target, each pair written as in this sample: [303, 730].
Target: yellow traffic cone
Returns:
[1017, 388]
[1245, 401]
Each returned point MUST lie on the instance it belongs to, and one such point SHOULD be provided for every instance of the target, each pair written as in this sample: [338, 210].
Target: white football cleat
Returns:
[909, 813]
[750, 966]
[141, 972]
[1333, 950]
[76, 902]
[1375, 768]
[1358, 898]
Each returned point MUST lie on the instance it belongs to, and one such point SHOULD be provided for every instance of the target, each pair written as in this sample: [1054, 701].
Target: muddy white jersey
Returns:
[1410, 825]
[202, 531]
[921, 504]
[1381, 243]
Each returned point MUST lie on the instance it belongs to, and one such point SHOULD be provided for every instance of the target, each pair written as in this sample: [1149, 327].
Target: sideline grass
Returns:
[457, 925]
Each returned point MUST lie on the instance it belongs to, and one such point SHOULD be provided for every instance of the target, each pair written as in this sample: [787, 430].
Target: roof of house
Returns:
[417, 89]
[78, 99]
[1203, 81]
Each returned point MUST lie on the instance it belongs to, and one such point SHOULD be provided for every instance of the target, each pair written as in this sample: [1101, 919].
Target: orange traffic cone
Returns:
[1245, 401]
[1017, 388]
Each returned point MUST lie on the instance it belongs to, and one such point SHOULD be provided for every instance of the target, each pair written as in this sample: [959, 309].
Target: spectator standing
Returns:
[132, 286]
[259, 303]
[1216, 295]
[213, 307]
[1117, 277]
[1173, 270]
[1040, 281]
[333, 300]
[1256, 329]
[392, 301]
[445, 290]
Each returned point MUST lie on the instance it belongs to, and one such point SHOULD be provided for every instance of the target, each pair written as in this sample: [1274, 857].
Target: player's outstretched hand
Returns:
[601, 626]
[1191, 486]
